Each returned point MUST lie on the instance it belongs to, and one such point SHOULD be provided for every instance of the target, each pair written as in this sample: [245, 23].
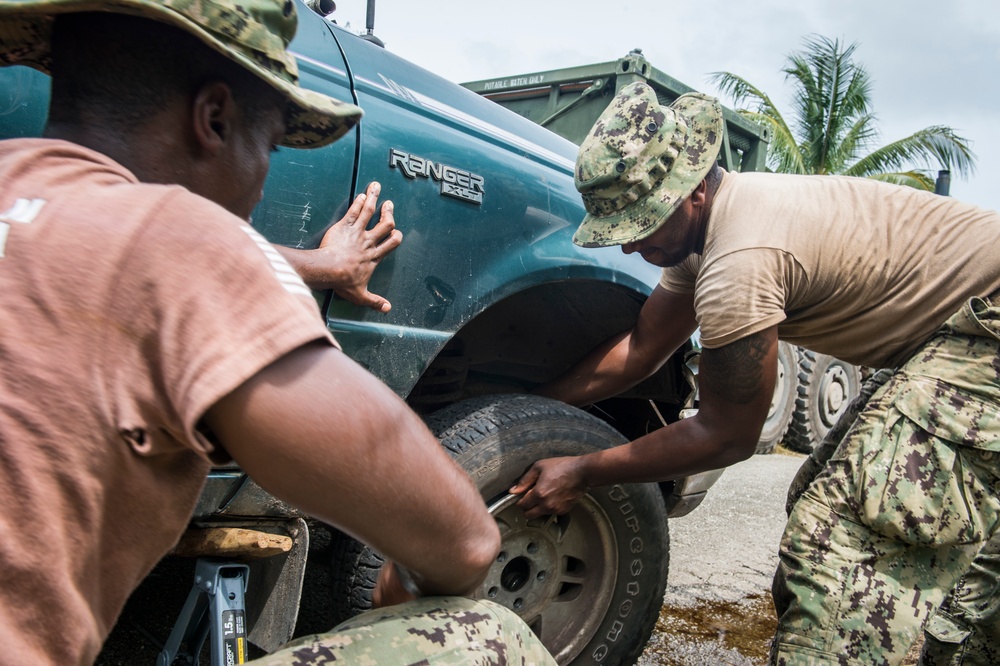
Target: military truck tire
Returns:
[779, 416]
[590, 583]
[826, 387]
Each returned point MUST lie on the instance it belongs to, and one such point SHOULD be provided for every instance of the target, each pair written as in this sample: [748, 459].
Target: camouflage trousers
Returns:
[900, 513]
[432, 630]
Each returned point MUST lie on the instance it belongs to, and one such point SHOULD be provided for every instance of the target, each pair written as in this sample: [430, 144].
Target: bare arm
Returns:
[665, 322]
[319, 432]
[736, 383]
[349, 252]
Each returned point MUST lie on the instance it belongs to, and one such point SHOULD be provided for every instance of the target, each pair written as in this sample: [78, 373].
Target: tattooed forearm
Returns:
[736, 371]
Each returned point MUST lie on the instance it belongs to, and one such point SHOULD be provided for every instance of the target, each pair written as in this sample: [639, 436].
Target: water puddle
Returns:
[713, 633]
[719, 633]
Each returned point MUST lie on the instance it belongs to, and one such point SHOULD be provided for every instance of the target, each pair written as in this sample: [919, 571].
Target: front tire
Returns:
[590, 583]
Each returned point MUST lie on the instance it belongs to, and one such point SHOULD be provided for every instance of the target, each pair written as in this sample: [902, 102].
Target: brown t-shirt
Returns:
[850, 267]
[126, 311]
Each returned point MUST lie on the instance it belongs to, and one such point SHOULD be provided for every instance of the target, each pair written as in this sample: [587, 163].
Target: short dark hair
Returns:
[125, 69]
[713, 177]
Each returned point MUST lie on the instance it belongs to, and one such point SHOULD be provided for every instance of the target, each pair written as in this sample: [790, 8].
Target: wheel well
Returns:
[534, 335]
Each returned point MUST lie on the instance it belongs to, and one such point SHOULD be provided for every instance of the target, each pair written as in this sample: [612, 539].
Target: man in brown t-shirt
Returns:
[146, 331]
[873, 273]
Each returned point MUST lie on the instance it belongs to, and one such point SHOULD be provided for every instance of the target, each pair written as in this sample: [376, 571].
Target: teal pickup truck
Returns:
[490, 299]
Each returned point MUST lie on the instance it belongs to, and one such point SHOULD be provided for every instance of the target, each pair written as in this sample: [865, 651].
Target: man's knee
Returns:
[442, 630]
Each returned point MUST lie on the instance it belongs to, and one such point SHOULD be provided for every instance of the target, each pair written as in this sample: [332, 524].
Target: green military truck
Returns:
[812, 389]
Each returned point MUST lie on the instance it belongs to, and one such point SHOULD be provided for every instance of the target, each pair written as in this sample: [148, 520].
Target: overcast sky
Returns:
[932, 63]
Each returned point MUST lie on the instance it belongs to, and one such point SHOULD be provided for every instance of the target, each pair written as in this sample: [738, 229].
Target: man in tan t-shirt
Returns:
[146, 331]
[875, 274]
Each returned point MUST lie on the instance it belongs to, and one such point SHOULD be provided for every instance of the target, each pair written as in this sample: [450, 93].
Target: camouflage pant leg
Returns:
[900, 511]
[436, 630]
[817, 460]
[966, 629]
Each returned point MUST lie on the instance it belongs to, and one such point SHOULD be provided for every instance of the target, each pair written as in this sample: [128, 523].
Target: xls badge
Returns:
[454, 182]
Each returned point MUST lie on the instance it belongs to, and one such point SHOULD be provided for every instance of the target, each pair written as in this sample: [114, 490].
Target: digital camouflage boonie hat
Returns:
[253, 33]
[641, 160]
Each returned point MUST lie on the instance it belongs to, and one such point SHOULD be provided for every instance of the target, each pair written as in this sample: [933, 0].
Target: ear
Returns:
[700, 193]
[212, 113]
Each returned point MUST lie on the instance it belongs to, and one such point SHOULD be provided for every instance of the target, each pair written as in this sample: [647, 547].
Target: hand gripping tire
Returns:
[589, 583]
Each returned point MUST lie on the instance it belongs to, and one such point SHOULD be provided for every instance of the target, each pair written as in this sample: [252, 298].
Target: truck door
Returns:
[307, 189]
[24, 101]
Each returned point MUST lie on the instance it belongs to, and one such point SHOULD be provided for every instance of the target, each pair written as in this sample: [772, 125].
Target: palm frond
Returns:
[807, 110]
[936, 147]
[833, 128]
[783, 149]
[831, 94]
[853, 144]
[783, 154]
[915, 178]
[739, 89]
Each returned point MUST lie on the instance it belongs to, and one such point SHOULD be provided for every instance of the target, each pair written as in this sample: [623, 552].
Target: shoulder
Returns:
[205, 240]
[763, 182]
[179, 219]
[179, 202]
[741, 195]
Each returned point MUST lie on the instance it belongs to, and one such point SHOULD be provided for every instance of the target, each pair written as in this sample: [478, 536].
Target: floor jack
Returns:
[214, 609]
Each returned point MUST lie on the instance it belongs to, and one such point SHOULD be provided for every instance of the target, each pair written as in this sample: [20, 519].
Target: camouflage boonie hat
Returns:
[641, 160]
[253, 33]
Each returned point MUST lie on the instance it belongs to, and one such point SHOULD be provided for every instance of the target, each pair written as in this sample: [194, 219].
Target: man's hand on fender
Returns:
[350, 252]
[551, 487]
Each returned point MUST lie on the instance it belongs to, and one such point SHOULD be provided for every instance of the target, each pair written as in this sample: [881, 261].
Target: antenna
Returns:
[370, 26]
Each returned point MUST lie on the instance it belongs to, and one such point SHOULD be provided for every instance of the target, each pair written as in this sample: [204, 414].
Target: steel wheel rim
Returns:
[781, 389]
[557, 573]
[833, 395]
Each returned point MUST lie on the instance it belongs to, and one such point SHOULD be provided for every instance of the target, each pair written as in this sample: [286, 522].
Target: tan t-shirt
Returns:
[126, 311]
[850, 267]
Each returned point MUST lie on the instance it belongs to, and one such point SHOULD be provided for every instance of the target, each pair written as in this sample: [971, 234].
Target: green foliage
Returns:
[833, 129]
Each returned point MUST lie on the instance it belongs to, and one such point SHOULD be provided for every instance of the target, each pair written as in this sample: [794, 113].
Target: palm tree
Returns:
[834, 128]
